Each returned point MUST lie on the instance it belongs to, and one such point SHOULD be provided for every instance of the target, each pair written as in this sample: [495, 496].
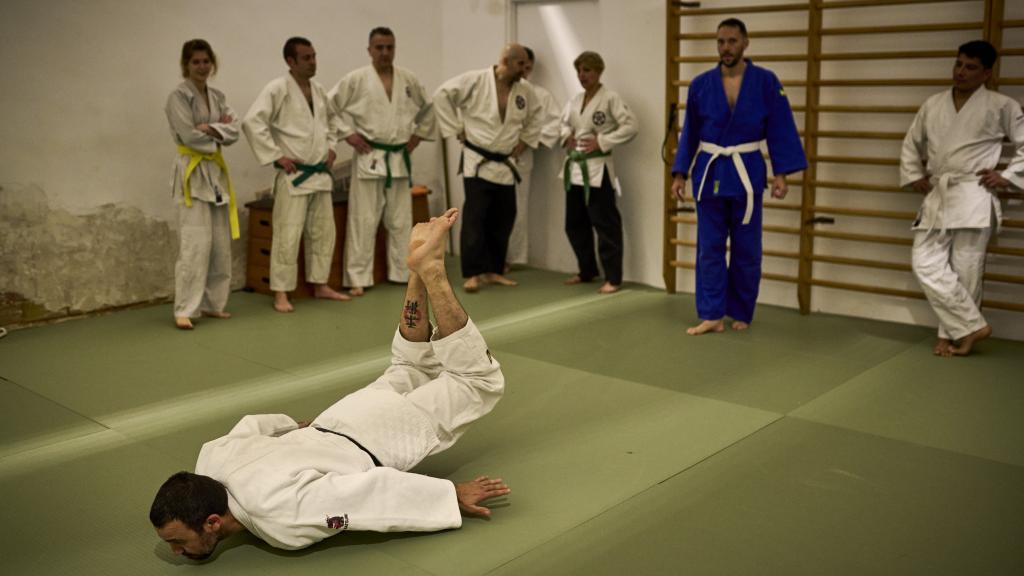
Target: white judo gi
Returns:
[293, 487]
[606, 117]
[202, 274]
[955, 221]
[518, 242]
[362, 105]
[280, 124]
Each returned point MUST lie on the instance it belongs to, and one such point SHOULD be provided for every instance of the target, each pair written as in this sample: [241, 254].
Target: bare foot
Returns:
[357, 291]
[281, 303]
[427, 243]
[492, 278]
[325, 292]
[964, 348]
[212, 314]
[706, 326]
[472, 284]
[183, 322]
[573, 280]
[608, 288]
[739, 325]
[942, 346]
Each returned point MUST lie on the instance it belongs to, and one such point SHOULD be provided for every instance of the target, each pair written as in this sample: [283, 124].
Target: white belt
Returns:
[715, 150]
[942, 184]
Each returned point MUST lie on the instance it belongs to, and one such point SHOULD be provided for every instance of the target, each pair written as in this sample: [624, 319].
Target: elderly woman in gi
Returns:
[201, 122]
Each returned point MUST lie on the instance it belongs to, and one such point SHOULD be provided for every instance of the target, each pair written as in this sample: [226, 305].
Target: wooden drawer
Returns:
[261, 223]
[259, 252]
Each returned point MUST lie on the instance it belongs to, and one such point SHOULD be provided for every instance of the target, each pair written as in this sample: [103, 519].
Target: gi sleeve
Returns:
[626, 125]
[228, 131]
[332, 114]
[784, 147]
[264, 425]
[550, 123]
[449, 99]
[915, 151]
[530, 134]
[426, 120]
[179, 115]
[1013, 126]
[565, 129]
[379, 500]
[689, 138]
[256, 125]
[339, 97]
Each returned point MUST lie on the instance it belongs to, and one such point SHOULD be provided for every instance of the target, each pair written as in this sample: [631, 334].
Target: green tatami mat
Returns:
[971, 405]
[30, 421]
[802, 498]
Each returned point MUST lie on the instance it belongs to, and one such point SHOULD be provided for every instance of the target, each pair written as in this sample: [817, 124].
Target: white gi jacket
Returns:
[951, 147]
[469, 103]
[293, 487]
[609, 118]
[185, 109]
[361, 105]
[279, 123]
[550, 112]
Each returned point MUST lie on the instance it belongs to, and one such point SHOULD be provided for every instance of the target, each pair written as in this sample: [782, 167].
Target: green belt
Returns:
[581, 159]
[308, 170]
[389, 148]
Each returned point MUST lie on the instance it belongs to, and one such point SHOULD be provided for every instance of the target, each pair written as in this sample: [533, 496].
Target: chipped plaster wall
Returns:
[86, 217]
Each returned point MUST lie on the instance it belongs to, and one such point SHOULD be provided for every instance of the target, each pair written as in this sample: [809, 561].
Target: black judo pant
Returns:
[487, 218]
[582, 219]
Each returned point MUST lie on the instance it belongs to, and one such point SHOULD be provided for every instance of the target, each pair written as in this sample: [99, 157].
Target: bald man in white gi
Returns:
[519, 241]
[496, 117]
[293, 484]
[950, 154]
[288, 126]
[383, 112]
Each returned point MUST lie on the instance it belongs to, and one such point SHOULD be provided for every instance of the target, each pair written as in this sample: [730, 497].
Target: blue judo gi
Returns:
[729, 176]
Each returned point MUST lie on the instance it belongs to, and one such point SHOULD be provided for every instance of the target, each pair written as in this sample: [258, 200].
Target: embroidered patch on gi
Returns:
[782, 91]
[408, 91]
[338, 522]
[520, 102]
[599, 118]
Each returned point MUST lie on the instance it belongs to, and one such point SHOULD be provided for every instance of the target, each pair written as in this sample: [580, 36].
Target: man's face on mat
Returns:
[969, 73]
[382, 51]
[731, 45]
[186, 542]
[304, 63]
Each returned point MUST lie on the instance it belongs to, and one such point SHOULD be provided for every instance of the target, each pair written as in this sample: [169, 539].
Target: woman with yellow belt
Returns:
[201, 122]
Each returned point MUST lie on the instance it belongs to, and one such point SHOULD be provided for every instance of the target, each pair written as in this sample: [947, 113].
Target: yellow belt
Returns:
[195, 157]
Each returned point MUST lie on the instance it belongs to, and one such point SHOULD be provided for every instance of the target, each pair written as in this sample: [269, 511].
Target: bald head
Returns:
[512, 64]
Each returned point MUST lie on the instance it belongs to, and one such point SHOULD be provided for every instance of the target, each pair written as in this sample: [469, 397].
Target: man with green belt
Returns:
[288, 126]
[383, 113]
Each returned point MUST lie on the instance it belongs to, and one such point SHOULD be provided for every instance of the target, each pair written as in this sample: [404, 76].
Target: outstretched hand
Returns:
[471, 494]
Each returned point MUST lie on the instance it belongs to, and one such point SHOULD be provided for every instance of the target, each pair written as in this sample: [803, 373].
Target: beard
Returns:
[735, 60]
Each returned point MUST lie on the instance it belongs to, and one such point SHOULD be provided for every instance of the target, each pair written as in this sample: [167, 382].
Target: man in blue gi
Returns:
[730, 111]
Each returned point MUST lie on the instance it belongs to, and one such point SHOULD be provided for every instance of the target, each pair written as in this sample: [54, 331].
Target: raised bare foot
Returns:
[739, 325]
[427, 242]
[472, 284]
[281, 303]
[183, 322]
[942, 346]
[706, 326]
[608, 288]
[357, 291]
[492, 278]
[967, 342]
[212, 314]
[325, 292]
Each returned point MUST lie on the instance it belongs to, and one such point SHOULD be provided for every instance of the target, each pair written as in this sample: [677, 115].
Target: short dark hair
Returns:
[981, 50]
[190, 499]
[191, 47]
[734, 23]
[529, 53]
[380, 31]
[289, 46]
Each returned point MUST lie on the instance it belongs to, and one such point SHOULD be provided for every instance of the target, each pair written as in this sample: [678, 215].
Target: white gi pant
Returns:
[306, 216]
[949, 265]
[519, 241]
[368, 201]
[202, 274]
[424, 401]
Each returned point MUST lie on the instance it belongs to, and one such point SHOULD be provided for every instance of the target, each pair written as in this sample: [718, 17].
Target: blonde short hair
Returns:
[589, 59]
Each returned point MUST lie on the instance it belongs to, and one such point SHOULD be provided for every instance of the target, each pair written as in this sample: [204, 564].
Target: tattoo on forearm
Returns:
[411, 313]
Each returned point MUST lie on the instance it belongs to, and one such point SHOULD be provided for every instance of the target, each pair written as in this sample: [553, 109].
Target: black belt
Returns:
[491, 157]
[352, 440]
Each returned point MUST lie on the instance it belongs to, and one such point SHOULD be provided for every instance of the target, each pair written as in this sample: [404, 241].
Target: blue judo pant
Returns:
[728, 290]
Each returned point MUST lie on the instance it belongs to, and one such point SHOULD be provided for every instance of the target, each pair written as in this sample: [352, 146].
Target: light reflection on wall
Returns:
[564, 41]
